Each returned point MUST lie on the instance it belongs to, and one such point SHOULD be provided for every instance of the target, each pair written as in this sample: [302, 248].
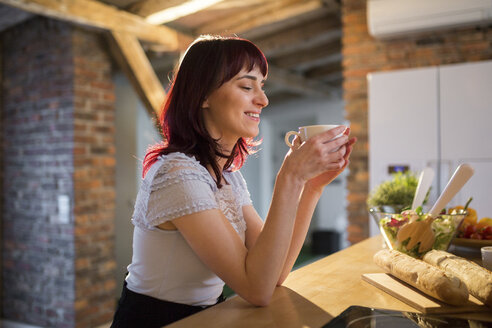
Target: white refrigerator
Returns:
[437, 116]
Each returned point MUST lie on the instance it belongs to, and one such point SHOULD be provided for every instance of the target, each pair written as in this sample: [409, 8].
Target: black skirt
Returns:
[137, 310]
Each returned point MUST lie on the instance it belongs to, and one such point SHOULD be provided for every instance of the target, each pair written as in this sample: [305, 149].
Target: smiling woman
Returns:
[209, 63]
[195, 227]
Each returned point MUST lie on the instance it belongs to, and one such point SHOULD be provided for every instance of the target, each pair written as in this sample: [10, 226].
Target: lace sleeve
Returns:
[174, 191]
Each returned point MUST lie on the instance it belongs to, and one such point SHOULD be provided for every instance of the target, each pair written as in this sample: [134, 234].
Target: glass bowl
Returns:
[382, 211]
[445, 228]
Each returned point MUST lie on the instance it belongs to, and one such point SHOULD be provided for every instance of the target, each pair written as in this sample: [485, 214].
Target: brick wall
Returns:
[363, 54]
[38, 275]
[58, 141]
[94, 180]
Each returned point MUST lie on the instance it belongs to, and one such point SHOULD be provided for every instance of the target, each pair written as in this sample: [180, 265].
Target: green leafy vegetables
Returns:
[398, 191]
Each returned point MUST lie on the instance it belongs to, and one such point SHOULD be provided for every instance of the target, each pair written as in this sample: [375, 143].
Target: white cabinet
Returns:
[466, 110]
[466, 129]
[439, 117]
[398, 103]
[403, 122]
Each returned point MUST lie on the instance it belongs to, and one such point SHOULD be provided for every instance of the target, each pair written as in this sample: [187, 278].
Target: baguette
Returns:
[423, 276]
[477, 279]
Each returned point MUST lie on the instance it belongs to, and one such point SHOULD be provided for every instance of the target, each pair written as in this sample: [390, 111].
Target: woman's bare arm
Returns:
[254, 272]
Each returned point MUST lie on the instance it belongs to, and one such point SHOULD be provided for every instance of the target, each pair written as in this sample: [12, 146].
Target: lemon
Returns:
[484, 222]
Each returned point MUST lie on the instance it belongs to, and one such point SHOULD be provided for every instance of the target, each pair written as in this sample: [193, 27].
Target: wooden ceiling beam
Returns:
[234, 4]
[134, 63]
[333, 77]
[335, 57]
[324, 71]
[304, 60]
[278, 26]
[268, 13]
[323, 30]
[297, 83]
[98, 15]
[147, 7]
[161, 12]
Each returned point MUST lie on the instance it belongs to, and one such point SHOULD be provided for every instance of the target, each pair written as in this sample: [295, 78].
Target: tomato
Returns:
[487, 231]
[470, 230]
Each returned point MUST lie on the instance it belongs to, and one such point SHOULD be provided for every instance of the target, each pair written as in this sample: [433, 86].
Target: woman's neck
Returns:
[221, 162]
[225, 149]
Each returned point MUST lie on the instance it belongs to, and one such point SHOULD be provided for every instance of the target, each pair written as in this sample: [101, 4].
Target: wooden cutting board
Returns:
[415, 298]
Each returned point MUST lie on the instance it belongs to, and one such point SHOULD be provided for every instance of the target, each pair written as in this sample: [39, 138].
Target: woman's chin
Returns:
[250, 132]
[252, 135]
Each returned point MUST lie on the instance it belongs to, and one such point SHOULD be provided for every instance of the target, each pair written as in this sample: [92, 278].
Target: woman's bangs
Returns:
[244, 55]
[255, 58]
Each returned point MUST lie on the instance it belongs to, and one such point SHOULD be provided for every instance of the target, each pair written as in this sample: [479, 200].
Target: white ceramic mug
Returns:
[306, 132]
[487, 257]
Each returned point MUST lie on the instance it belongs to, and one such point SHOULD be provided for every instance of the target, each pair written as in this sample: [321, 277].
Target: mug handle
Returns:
[287, 136]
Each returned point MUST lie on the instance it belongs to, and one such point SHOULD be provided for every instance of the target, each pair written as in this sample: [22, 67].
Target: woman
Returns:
[195, 226]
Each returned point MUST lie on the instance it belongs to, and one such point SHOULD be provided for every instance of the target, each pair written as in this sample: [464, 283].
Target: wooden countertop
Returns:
[312, 295]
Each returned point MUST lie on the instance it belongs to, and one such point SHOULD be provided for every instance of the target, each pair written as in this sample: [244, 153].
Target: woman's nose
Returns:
[261, 99]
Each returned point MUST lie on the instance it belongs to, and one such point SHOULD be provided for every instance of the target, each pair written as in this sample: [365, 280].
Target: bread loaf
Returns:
[423, 276]
[477, 279]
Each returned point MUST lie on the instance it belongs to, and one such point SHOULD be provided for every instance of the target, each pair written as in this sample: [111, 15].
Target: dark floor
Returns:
[307, 256]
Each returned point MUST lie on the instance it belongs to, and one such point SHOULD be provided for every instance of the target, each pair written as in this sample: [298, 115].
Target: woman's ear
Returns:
[205, 104]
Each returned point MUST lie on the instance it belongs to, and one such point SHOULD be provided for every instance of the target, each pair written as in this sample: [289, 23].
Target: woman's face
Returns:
[233, 110]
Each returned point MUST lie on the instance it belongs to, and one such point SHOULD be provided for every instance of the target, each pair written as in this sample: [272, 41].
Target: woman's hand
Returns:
[319, 160]
[319, 182]
[317, 155]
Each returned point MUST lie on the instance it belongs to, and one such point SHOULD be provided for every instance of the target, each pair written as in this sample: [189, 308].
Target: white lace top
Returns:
[163, 265]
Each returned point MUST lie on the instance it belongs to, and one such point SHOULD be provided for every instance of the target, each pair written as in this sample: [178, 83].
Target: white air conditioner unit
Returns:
[391, 18]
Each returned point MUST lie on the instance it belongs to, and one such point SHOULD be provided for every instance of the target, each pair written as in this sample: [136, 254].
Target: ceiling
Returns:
[300, 38]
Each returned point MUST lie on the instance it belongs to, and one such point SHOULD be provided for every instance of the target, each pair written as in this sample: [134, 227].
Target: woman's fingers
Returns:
[334, 166]
[329, 135]
[339, 158]
[296, 142]
[328, 146]
[321, 153]
[350, 147]
[340, 141]
[329, 152]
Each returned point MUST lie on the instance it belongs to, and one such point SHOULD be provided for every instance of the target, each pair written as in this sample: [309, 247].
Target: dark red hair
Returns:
[208, 63]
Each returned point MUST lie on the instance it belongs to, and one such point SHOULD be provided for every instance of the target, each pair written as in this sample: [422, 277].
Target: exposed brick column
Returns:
[363, 54]
[94, 181]
[38, 250]
[58, 118]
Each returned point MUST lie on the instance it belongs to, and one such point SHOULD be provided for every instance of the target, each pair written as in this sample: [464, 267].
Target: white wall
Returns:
[134, 133]
[126, 167]
[147, 135]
